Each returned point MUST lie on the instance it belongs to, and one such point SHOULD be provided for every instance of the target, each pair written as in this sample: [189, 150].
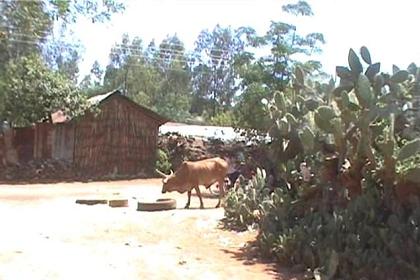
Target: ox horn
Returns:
[172, 172]
[161, 173]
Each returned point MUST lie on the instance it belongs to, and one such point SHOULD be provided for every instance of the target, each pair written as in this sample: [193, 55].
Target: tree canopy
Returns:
[220, 80]
[38, 71]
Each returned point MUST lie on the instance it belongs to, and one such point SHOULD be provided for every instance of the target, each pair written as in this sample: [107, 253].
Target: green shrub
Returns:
[223, 119]
[162, 162]
[359, 215]
[364, 239]
[242, 207]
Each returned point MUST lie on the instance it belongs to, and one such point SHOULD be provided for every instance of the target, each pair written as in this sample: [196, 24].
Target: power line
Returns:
[175, 45]
[112, 51]
[186, 61]
[168, 52]
[119, 45]
[160, 59]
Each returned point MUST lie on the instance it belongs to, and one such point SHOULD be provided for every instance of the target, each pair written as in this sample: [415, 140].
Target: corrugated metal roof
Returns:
[205, 131]
[99, 98]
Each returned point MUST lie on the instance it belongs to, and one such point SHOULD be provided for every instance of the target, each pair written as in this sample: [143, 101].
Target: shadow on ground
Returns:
[250, 255]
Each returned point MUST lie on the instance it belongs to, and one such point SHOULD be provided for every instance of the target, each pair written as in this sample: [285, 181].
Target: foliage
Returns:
[34, 33]
[32, 92]
[242, 205]
[218, 53]
[223, 119]
[26, 25]
[162, 163]
[360, 240]
[261, 77]
[173, 106]
[96, 11]
[358, 216]
[220, 80]
[248, 114]
[355, 242]
[156, 77]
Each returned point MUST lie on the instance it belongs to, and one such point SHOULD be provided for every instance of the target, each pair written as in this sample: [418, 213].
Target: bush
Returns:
[364, 239]
[223, 119]
[162, 162]
[357, 215]
[243, 205]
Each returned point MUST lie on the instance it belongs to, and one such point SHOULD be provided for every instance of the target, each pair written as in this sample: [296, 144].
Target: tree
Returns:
[173, 96]
[213, 74]
[34, 92]
[26, 25]
[25, 36]
[66, 62]
[157, 77]
[249, 111]
[273, 72]
[97, 73]
[92, 83]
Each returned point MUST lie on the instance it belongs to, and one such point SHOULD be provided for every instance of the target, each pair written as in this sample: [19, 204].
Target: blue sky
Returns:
[388, 28]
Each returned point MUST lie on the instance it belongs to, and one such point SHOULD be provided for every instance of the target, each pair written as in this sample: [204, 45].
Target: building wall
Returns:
[63, 142]
[24, 143]
[43, 141]
[120, 140]
[2, 151]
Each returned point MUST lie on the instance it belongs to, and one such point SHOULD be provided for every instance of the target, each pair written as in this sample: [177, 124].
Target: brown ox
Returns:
[192, 174]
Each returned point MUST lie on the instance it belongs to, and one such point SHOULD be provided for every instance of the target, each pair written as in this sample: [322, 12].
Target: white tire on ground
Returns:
[160, 204]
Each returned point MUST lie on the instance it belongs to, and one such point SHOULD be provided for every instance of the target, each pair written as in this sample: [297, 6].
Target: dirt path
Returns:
[46, 235]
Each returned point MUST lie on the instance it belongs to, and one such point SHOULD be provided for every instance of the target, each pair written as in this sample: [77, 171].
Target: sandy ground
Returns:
[45, 235]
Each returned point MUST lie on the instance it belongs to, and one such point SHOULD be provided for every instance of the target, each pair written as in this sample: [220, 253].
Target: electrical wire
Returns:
[119, 45]
[161, 60]
[115, 49]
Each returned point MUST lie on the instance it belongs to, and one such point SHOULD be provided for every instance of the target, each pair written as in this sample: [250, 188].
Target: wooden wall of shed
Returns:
[2, 151]
[24, 143]
[43, 141]
[120, 140]
[16, 145]
[63, 142]
[10, 154]
[54, 141]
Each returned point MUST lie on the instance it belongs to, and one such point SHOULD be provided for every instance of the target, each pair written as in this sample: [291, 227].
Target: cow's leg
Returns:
[197, 190]
[188, 201]
[221, 184]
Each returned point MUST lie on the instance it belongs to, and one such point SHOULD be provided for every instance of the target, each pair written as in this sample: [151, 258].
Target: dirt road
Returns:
[46, 235]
